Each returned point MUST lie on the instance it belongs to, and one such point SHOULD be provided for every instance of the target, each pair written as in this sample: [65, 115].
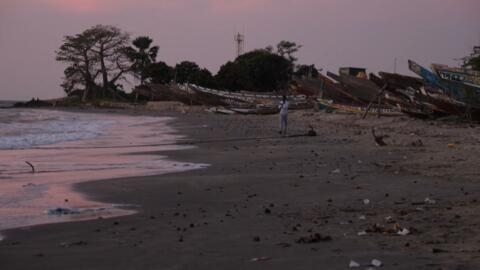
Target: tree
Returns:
[159, 72]
[473, 61]
[287, 49]
[77, 52]
[72, 80]
[190, 72]
[99, 50]
[258, 70]
[142, 55]
[309, 71]
[184, 71]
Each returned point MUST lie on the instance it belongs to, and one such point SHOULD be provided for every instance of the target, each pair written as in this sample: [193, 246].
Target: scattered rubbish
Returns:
[260, 259]
[59, 211]
[311, 132]
[417, 143]
[284, 245]
[313, 238]
[379, 139]
[403, 232]
[452, 145]
[394, 229]
[366, 201]
[438, 250]
[336, 171]
[69, 244]
[429, 201]
[362, 217]
[353, 264]
[376, 263]
[362, 233]
[388, 218]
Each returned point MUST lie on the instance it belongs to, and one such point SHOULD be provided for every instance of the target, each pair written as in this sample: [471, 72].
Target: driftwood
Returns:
[33, 168]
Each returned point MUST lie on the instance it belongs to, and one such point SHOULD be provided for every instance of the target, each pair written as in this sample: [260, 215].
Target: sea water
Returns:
[44, 152]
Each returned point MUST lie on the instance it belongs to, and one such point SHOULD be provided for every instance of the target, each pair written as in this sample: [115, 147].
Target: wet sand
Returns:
[265, 198]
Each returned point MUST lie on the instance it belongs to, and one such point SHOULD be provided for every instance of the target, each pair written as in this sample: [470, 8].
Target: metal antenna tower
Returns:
[240, 40]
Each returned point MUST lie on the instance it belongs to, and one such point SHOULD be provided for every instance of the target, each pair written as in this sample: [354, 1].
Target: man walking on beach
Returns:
[283, 115]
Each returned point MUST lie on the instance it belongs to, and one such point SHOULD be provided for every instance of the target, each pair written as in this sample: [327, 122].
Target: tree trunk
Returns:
[104, 72]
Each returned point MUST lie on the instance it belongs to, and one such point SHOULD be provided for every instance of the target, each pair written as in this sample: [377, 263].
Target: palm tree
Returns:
[142, 55]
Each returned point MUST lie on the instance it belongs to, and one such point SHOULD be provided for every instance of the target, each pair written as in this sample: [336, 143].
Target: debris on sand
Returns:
[59, 211]
[429, 201]
[313, 238]
[395, 229]
[260, 259]
[376, 263]
[353, 264]
[379, 139]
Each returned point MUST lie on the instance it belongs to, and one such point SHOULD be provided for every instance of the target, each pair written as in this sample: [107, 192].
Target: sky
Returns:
[333, 33]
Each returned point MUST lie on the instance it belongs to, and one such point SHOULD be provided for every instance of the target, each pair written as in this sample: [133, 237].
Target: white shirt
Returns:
[283, 107]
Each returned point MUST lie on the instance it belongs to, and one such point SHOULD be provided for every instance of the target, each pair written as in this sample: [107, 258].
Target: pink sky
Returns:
[334, 33]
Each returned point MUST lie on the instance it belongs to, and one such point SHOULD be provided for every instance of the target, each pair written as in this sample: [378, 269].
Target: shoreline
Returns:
[260, 198]
[52, 187]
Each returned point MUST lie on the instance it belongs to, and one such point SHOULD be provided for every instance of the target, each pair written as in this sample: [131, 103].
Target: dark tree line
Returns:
[99, 58]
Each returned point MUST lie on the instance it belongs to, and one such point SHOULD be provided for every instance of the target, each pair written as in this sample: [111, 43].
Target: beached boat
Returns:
[362, 89]
[341, 108]
[466, 76]
[262, 110]
[325, 88]
[454, 89]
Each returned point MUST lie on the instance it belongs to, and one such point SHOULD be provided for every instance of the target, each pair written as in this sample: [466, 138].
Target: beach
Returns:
[272, 202]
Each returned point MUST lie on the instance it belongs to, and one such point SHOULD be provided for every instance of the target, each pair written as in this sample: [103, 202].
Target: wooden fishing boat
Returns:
[341, 108]
[454, 89]
[325, 88]
[466, 76]
[261, 110]
[362, 89]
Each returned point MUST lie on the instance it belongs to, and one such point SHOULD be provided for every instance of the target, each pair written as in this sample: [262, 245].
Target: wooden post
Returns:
[376, 97]
[379, 106]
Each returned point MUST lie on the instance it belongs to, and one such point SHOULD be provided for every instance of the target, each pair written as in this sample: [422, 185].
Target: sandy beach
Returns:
[272, 202]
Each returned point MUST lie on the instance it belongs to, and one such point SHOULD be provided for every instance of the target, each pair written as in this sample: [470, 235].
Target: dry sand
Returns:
[265, 197]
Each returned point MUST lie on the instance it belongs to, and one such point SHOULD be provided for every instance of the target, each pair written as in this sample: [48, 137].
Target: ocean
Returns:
[44, 152]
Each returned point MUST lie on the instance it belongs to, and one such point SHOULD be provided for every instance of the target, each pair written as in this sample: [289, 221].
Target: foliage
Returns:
[258, 70]
[473, 61]
[159, 72]
[287, 49]
[142, 55]
[190, 72]
[96, 60]
[309, 71]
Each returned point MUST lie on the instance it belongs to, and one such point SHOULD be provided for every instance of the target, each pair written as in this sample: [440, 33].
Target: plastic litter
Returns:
[260, 259]
[362, 217]
[353, 264]
[403, 232]
[430, 201]
[366, 201]
[376, 263]
[336, 171]
[62, 211]
[362, 233]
